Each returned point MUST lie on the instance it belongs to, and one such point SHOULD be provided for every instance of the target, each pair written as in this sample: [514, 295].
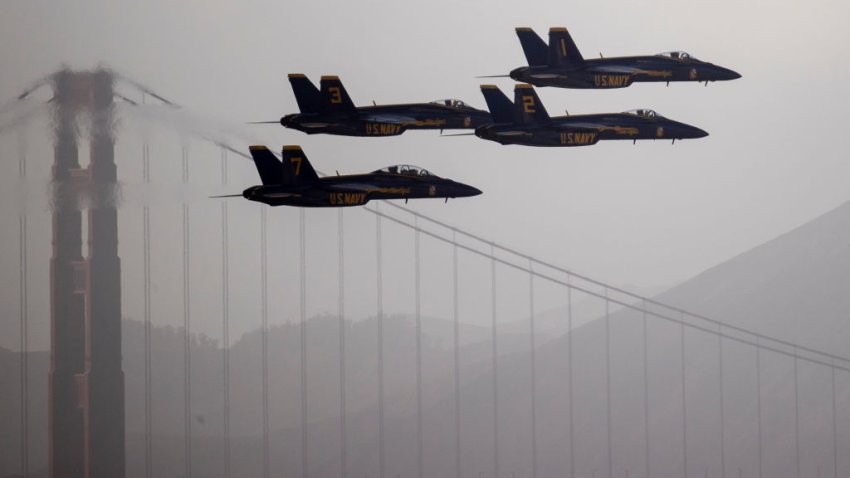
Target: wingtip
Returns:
[258, 147]
[291, 147]
[297, 75]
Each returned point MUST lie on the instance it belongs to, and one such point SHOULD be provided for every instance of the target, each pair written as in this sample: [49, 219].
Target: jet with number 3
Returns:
[294, 182]
[526, 122]
[330, 110]
[560, 64]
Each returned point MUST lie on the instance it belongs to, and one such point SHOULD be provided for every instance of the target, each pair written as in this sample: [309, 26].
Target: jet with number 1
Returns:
[330, 110]
[294, 182]
[526, 122]
[560, 64]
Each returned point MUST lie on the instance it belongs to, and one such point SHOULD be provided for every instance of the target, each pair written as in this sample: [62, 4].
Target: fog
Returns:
[647, 217]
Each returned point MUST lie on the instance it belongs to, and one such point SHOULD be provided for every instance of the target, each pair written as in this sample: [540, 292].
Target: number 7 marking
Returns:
[297, 161]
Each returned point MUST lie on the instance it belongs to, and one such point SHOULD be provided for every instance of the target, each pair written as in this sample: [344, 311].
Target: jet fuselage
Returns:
[358, 189]
[388, 120]
[585, 130]
[621, 72]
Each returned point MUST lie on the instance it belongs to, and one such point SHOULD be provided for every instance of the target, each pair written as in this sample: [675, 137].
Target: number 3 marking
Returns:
[336, 96]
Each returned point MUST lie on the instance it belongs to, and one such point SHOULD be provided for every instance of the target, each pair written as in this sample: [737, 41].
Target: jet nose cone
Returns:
[727, 74]
[465, 190]
[698, 133]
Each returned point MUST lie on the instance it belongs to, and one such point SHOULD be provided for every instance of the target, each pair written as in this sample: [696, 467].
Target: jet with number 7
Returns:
[526, 122]
[292, 181]
[560, 64]
[330, 110]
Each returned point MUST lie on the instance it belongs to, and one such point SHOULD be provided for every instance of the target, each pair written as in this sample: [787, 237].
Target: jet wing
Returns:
[281, 195]
[390, 119]
[353, 187]
[591, 126]
[617, 69]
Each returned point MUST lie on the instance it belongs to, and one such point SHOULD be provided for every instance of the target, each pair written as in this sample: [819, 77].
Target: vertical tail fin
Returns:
[334, 97]
[500, 106]
[527, 106]
[296, 168]
[306, 94]
[270, 169]
[535, 49]
[562, 48]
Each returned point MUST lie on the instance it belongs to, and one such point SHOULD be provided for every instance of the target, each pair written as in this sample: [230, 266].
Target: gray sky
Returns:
[645, 216]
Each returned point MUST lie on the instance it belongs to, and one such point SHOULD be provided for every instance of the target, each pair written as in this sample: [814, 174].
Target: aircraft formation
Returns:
[329, 109]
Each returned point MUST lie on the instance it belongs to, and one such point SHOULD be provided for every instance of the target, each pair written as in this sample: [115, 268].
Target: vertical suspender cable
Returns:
[684, 399]
[571, 396]
[225, 325]
[608, 383]
[834, 425]
[24, 319]
[495, 365]
[342, 405]
[645, 391]
[758, 408]
[456, 354]
[417, 281]
[24, 349]
[146, 266]
[721, 394]
[264, 310]
[380, 298]
[303, 328]
[187, 355]
[532, 355]
[796, 412]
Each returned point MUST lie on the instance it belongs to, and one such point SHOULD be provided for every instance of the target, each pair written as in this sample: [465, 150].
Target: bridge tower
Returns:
[86, 382]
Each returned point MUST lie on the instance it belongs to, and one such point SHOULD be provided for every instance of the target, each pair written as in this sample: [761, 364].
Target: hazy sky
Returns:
[645, 216]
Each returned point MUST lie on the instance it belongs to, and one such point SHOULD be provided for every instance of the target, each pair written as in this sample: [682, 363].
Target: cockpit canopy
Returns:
[644, 113]
[677, 55]
[406, 170]
[450, 102]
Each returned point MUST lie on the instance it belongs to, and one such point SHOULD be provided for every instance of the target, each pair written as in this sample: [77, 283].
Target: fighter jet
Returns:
[526, 122]
[294, 182]
[330, 110]
[560, 64]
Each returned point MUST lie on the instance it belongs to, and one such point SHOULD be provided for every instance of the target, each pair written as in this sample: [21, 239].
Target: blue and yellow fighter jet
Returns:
[294, 182]
[560, 64]
[526, 122]
[330, 110]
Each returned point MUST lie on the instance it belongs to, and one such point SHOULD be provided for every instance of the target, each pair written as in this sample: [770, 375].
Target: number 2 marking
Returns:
[528, 104]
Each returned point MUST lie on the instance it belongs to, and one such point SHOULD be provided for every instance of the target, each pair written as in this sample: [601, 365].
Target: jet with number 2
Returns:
[294, 182]
[560, 64]
[526, 122]
[330, 110]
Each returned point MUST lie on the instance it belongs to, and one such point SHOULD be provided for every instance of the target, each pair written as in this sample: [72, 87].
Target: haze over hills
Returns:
[793, 287]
